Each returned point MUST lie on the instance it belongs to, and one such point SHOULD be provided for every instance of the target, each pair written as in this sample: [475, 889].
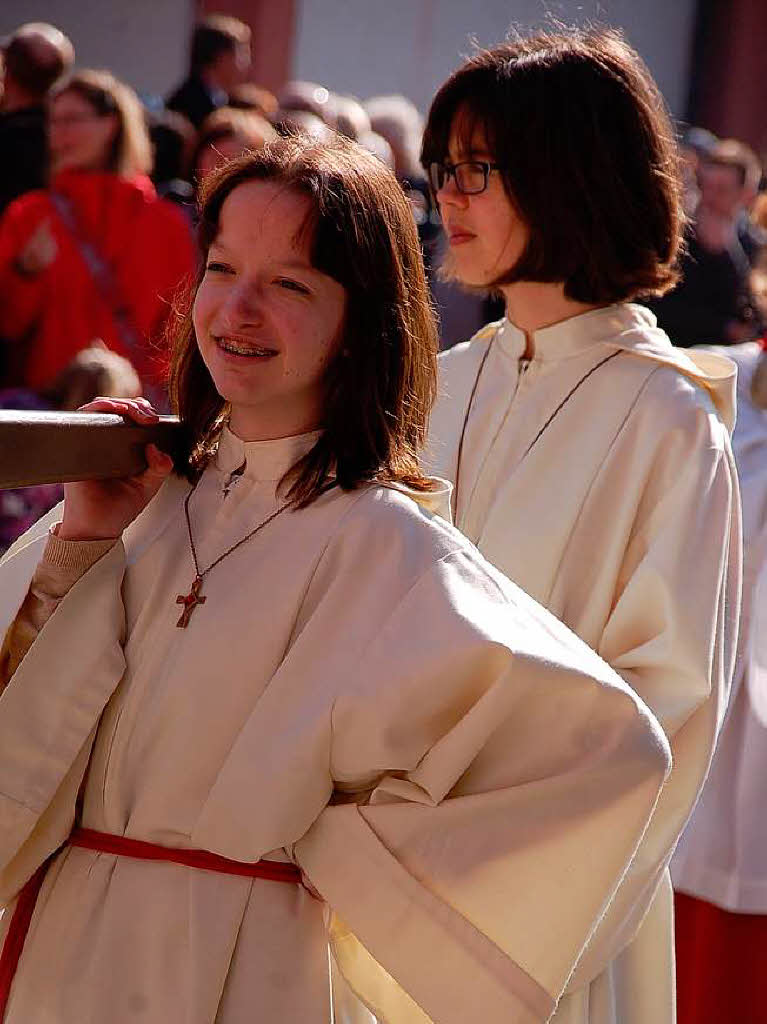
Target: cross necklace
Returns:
[194, 598]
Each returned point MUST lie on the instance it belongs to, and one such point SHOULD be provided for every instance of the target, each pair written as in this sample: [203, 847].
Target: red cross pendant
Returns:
[190, 602]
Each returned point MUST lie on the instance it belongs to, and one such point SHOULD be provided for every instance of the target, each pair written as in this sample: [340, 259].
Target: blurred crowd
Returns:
[722, 296]
[97, 215]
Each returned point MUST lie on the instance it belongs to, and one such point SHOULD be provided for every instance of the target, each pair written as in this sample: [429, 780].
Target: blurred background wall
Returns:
[412, 45]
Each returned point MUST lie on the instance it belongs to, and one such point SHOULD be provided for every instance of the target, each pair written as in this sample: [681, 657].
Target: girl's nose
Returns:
[450, 194]
[244, 306]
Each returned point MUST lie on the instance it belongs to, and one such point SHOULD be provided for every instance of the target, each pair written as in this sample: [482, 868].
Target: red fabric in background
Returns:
[721, 964]
[147, 243]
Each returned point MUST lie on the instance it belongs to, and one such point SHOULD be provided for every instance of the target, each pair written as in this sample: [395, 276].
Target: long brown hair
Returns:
[587, 156]
[380, 385]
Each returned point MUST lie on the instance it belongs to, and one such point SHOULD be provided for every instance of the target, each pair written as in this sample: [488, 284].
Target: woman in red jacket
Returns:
[98, 255]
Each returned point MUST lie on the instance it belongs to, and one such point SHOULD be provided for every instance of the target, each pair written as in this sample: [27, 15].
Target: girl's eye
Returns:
[292, 286]
[219, 268]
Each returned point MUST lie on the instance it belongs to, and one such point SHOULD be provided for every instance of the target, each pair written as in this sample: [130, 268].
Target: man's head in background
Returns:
[34, 58]
[220, 51]
[729, 178]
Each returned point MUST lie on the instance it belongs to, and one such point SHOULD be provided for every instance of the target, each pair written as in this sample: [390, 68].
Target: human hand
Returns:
[39, 252]
[101, 509]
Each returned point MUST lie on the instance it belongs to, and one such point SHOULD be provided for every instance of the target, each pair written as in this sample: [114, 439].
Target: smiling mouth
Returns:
[239, 348]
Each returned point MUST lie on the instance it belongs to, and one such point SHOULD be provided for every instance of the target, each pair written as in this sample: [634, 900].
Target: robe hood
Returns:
[638, 332]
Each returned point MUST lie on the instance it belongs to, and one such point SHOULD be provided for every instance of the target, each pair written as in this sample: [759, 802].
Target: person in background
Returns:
[173, 141]
[95, 371]
[736, 193]
[758, 215]
[225, 134]
[306, 97]
[590, 458]
[33, 59]
[378, 146]
[695, 146]
[219, 62]
[713, 302]
[719, 869]
[353, 122]
[249, 96]
[302, 122]
[351, 117]
[97, 255]
[398, 120]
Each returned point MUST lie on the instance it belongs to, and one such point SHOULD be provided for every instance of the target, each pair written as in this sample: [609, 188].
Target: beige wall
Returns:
[141, 41]
[373, 46]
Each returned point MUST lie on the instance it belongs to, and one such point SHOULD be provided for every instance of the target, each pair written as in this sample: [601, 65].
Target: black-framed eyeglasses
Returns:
[470, 176]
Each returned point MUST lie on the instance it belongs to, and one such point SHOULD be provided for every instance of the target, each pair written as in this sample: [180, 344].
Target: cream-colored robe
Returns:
[460, 777]
[722, 855]
[622, 520]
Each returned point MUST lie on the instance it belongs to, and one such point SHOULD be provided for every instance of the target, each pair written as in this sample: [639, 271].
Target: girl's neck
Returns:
[532, 305]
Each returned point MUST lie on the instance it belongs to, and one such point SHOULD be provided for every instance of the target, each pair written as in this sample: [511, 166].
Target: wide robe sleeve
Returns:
[50, 709]
[671, 632]
[492, 780]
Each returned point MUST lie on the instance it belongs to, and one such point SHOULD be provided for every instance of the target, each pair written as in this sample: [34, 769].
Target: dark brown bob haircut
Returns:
[588, 159]
[381, 382]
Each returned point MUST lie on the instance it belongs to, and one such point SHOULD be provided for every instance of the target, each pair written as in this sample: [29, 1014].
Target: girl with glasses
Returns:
[272, 700]
[590, 459]
[98, 254]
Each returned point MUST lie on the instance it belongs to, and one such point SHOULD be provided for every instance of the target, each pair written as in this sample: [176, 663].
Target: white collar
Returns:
[623, 324]
[264, 460]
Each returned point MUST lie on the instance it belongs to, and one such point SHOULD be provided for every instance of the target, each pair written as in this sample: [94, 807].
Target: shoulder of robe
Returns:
[745, 356]
[708, 370]
[670, 401]
[387, 524]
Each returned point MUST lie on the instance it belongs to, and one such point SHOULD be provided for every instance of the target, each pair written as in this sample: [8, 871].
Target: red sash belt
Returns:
[122, 846]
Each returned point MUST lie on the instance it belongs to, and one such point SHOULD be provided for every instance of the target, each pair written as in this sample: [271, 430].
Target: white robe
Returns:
[622, 519]
[722, 855]
[360, 693]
